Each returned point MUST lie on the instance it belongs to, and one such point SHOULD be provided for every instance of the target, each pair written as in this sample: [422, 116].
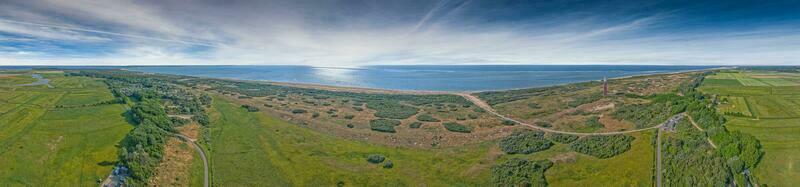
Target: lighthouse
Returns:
[605, 86]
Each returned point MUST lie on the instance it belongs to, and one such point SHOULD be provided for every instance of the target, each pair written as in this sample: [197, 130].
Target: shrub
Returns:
[250, 108]
[456, 127]
[461, 118]
[520, 172]
[427, 118]
[388, 164]
[543, 124]
[525, 142]
[299, 111]
[384, 125]
[350, 125]
[358, 108]
[349, 116]
[534, 106]
[315, 114]
[509, 123]
[375, 158]
[594, 122]
[415, 125]
[391, 110]
[472, 116]
[603, 146]
[563, 138]
[479, 110]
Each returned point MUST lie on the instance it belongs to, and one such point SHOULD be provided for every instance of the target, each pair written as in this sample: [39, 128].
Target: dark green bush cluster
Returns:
[388, 165]
[520, 172]
[456, 127]
[427, 118]
[644, 115]
[250, 108]
[391, 110]
[384, 125]
[358, 108]
[509, 122]
[525, 142]
[543, 124]
[375, 158]
[298, 111]
[349, 116]
[594, 122]
[562, 138]
[534, 105]
[472, 116]
[605, 146]
[415, 125]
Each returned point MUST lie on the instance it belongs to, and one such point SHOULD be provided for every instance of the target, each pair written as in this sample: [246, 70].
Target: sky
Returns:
[345, 33]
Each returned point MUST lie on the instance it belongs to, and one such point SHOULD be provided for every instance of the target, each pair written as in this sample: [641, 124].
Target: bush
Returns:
[543, 124]
[594, 122]
[563, 138]
[350, 125]
[534, 106]
[358, 108]
[415, 125]
[427, 118]
[375, 158]
[391, 110]
[479, 110]
[520, 172]
[250, 108]
[384, 125]
[315, 114]
[525, 142]
[603, 146]
[299, 111]
[472, 116]
[349, 116]
[456, 127]
[388, 164]
[509, 123]
[461, 118]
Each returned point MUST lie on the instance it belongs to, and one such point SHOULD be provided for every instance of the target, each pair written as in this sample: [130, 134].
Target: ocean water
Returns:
[433, 78]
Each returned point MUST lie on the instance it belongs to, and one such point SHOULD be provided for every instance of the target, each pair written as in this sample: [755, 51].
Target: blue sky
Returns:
[371, 32]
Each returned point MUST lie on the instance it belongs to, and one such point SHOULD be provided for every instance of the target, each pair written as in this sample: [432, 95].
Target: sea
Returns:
[424, 77]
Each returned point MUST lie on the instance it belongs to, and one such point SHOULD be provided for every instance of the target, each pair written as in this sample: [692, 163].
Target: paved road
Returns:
[480, 103]
[202, 155]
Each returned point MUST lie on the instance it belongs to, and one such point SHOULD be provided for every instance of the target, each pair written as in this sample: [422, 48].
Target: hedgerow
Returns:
[456, 127]
[525, 142]
[606, 146]
[384, 125]
[427, 118]
[520, 172]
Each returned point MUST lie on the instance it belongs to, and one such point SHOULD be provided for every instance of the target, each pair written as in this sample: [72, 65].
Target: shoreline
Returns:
[415, 92]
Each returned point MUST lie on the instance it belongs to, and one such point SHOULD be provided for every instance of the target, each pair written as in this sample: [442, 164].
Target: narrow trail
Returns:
[480, 103]
[202, 155]
[701, 129]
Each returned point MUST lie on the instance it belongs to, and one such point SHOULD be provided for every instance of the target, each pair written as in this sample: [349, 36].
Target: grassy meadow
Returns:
[771, 112]
[41, 145]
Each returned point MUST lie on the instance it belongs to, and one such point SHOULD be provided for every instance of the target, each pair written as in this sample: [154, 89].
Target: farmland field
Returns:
[41, 145]
[775, 120]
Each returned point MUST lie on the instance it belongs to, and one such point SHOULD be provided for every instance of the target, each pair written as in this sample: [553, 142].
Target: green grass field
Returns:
[254, 149]
[780, 165]
[44, 146]
[776, 123]
[735, 105]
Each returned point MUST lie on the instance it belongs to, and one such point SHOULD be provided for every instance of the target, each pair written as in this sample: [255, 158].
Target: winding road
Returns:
[480, 103]
[202, 155]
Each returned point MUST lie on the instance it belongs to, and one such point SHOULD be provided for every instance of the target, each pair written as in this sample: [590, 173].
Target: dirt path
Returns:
[701, 129]
[202, 155]
[480, 103]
